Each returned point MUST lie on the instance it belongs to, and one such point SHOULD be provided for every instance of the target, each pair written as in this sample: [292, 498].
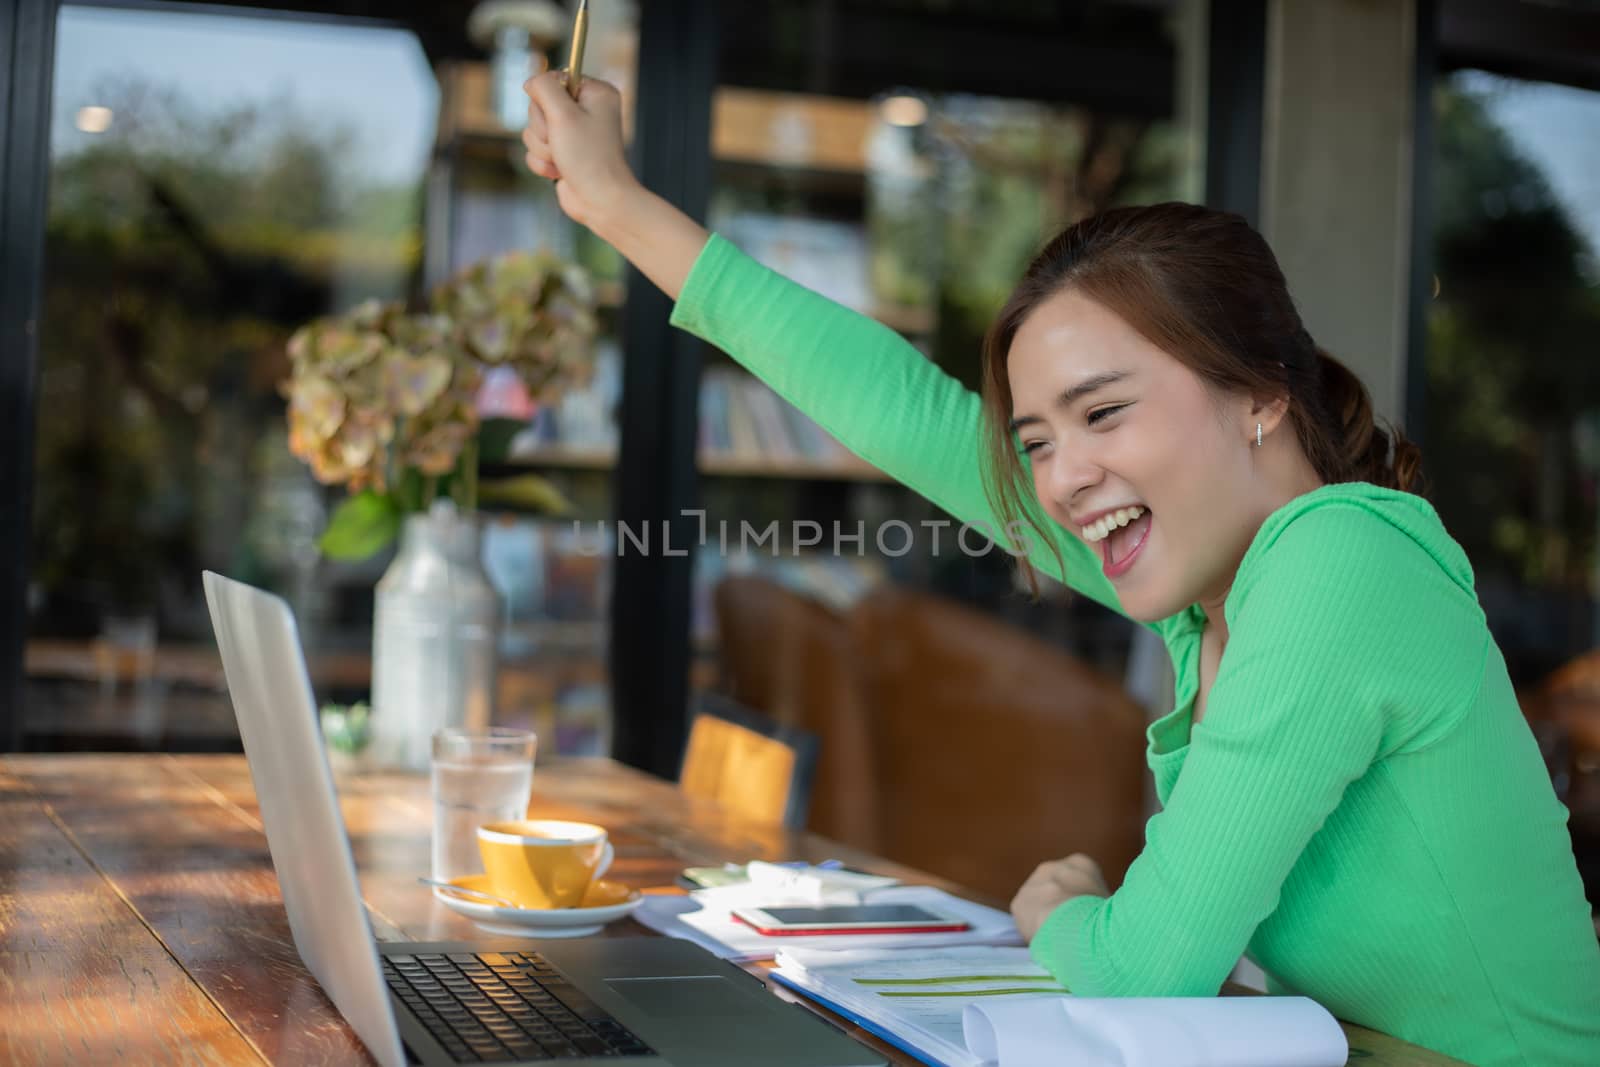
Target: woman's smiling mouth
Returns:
[1120, 535]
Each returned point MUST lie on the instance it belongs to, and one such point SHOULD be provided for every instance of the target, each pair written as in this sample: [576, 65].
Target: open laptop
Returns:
[653, 1000]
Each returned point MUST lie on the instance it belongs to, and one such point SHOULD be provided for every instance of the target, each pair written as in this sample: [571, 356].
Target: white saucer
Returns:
[605, 902]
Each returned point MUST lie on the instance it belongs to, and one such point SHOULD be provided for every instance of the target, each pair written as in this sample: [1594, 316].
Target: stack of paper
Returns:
[970, 1007]
[705, 918]
[915, 1000]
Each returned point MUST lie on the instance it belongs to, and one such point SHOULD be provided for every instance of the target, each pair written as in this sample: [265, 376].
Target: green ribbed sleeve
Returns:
[1322, 677]
[863, 383]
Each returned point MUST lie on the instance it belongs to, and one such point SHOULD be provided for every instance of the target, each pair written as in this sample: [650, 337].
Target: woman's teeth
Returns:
[1097, 531]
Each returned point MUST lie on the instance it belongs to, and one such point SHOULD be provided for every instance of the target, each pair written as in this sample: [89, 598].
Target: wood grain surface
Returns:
[82, 978]
[140, 920]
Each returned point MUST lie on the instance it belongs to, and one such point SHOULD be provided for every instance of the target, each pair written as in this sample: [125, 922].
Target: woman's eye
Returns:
[1097, 415]
[1031, 447]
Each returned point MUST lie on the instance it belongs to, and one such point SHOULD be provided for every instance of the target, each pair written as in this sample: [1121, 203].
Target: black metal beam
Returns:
[440, 25]
[1122, 65]
[1536, 41]
[1425, 73]
[27, 47]
[1235, 105]
[656, 480]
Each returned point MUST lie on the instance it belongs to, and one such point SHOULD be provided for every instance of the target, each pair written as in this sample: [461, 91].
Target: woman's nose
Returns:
[1070, 474]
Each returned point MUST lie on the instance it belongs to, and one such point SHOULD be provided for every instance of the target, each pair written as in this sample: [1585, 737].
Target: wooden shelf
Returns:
[559, 457]
[196, 665]
[791, 129]
[739, 467]
[716, 465]
[804, 131]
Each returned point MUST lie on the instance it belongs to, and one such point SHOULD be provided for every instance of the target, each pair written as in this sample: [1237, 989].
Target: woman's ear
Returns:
[1269, 411]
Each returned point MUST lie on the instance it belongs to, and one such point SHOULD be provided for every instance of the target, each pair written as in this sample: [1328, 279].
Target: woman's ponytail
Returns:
[1368, 451]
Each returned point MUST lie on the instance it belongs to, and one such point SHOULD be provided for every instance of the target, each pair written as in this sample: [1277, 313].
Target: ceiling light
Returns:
[904, 111]
[94, 119]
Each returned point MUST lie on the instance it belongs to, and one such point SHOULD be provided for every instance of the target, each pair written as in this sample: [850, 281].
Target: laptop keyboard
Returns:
[505, 1006]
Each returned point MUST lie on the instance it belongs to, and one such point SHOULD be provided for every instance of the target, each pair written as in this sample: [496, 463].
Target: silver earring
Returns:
[1258, 435]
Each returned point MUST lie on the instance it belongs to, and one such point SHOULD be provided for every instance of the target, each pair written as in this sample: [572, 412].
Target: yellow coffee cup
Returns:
[543, 863]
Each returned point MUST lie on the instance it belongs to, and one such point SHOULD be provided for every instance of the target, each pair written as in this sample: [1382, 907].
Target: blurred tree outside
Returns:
[1513, 384]
[183, 247]
[1015, 174]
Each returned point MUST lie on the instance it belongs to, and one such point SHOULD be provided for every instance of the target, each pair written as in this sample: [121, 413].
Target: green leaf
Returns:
[527, 491]
[361, 527]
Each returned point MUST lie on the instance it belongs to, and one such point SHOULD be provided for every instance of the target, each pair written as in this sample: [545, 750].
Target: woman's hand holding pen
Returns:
[578, 145]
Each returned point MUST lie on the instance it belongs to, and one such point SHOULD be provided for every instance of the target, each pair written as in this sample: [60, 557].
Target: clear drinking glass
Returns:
[479, 776]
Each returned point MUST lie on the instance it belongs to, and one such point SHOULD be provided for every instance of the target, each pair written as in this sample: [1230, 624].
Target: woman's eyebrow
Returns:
[1072, 395]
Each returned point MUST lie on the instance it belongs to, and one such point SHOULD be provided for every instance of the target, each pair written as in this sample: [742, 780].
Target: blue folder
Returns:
[874, 1028]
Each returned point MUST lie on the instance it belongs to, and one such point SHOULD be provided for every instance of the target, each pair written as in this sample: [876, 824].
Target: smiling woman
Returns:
[1363, 810]
[1141, 348]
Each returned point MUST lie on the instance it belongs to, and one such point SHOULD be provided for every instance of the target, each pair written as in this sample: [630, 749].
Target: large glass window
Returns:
[1512, 392]
[216, 181]
[1512, 412]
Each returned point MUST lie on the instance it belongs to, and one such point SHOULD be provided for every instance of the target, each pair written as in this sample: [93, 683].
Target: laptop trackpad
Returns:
[707, 997]
[713, 1021]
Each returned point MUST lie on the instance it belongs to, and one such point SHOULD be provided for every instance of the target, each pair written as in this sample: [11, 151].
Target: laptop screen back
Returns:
[278, 723]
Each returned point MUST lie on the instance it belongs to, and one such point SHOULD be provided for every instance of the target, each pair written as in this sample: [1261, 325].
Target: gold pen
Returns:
[580, 34]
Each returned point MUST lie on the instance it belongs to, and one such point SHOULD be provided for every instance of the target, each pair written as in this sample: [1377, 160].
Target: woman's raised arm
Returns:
[858, 379]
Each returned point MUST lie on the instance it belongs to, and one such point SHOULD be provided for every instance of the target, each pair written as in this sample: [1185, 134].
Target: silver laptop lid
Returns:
[278, 723]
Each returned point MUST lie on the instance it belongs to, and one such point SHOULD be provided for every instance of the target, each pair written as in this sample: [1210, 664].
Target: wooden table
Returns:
[140, 920]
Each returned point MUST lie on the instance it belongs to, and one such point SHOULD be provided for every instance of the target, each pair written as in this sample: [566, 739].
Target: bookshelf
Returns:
[746, 431]
[587, 459]
[794, 143]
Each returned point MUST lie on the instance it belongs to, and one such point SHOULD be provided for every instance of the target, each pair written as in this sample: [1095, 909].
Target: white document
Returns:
[975, 1007]
[1155, 1032]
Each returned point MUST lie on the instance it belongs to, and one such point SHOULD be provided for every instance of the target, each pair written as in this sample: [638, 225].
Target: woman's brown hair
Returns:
[1202, 286]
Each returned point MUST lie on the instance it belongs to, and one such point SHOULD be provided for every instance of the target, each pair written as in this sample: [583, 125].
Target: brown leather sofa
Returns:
[950, 740]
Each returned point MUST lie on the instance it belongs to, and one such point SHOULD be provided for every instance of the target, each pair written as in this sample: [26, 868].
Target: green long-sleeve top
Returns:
[1362, 810]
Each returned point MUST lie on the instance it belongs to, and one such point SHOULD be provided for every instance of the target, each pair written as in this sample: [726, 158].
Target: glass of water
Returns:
[479, 776]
